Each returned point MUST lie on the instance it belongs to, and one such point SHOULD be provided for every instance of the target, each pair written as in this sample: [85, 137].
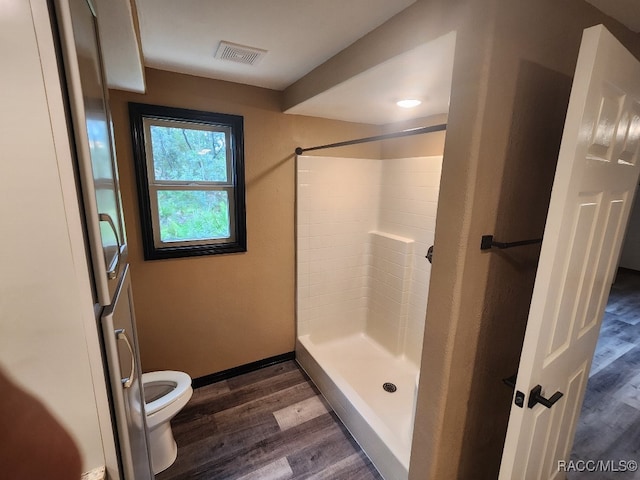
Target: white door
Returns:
[593, 190]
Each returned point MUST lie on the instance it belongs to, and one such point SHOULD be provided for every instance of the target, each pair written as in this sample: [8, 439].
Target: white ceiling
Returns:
[299, 35]
[423, 73]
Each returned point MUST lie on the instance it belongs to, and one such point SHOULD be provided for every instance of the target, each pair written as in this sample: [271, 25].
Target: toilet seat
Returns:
[182, 383]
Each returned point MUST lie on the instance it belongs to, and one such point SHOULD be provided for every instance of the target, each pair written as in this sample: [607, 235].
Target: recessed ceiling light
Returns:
[408, 103]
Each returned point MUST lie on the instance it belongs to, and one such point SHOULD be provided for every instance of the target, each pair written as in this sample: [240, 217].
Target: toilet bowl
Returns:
[166, 393]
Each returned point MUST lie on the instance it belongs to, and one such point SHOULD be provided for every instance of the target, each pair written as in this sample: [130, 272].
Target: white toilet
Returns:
[165, 392]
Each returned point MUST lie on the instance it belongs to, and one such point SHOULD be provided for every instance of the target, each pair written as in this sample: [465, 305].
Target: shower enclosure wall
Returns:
[364, 227]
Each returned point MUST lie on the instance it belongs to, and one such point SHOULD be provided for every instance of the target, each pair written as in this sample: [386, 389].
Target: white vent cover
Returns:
[233, 52]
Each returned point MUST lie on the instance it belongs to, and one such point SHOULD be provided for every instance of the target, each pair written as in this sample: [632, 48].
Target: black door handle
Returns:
[536, 397]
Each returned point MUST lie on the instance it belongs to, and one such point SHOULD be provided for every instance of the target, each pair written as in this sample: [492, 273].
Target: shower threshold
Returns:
[350, 372]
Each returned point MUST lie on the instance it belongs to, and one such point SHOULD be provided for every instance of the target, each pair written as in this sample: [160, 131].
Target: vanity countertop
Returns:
[97, 473]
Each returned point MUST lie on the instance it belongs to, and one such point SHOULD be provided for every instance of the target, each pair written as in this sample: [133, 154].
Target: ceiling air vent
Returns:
[233, 52]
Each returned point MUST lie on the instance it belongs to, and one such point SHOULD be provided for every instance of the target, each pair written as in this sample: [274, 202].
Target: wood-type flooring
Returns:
[609, 425]
[270, 424]
[273, 424]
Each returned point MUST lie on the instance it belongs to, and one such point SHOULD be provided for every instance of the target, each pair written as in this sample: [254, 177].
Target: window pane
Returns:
[190, 172]
[193, 215]
[184, 154]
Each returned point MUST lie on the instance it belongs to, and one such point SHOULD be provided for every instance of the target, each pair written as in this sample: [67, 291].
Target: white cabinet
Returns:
[48, 337]
[93, 142]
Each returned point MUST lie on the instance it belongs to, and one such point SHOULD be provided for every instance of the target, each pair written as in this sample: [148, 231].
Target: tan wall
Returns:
[416, 145]
[514, 61]
[206, 314]
[535, 48]
[511, 81]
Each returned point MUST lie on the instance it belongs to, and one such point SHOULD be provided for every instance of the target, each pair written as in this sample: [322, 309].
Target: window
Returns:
[190, 172]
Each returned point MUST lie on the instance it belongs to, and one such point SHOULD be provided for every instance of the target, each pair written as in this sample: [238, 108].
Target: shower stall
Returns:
[364, 227]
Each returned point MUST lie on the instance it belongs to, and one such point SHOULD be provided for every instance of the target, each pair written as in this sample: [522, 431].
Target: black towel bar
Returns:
[488, 242]
[510, 381]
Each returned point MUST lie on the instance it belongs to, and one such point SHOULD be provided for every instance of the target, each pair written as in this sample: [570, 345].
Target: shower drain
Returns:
[389, 387]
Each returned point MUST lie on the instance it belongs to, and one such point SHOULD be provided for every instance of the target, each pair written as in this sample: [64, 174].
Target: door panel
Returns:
[93, 142]
[595, 182]
[125, 378]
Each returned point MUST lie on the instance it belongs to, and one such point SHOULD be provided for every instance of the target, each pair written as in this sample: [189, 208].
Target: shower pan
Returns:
[364, 227]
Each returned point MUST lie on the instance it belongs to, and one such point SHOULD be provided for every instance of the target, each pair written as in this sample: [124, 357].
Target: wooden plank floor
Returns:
[609, 425]
[270, 424]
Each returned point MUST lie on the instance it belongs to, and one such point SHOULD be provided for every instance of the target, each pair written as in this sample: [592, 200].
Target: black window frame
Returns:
[137, 113]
